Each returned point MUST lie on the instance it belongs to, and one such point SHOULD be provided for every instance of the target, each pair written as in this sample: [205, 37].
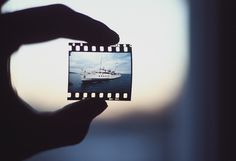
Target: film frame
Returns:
[78, 48]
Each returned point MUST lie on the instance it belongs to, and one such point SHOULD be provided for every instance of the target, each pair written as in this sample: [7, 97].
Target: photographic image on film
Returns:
[100, 72]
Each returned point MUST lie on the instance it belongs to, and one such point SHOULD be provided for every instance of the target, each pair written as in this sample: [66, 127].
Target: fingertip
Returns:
[102, 36]
[109, 37]
[92, 107]
[95, 102]
[115, 38]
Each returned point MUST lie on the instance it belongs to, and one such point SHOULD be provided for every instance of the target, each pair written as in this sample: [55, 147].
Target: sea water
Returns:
[118, 85]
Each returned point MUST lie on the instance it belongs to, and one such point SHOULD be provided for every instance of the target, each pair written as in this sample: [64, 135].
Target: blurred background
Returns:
[175, 103]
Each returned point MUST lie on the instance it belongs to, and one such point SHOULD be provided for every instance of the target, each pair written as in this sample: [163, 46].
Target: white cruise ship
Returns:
[101, 74]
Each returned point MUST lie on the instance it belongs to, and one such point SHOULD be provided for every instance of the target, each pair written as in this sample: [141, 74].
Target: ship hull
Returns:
[98, 77]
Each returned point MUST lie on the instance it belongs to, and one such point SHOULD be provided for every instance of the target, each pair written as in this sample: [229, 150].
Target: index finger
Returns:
[54, 21]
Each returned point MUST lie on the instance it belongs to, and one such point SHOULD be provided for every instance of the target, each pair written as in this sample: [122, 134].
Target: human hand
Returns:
[24, 131]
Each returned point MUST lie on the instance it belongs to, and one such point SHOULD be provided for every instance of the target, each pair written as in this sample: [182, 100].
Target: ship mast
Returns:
[100, 63]
[115, 67]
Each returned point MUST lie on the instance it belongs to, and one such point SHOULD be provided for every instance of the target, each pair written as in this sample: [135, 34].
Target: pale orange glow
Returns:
[159, 37]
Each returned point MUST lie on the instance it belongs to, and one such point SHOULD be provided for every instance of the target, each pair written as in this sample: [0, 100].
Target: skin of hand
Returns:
[25, 132]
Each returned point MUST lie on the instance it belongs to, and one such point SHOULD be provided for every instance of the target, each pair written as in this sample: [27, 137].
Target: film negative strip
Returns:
[103, 72]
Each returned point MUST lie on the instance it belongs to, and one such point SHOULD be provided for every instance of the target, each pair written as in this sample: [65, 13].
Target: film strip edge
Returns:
[84, 47]
[106, 96]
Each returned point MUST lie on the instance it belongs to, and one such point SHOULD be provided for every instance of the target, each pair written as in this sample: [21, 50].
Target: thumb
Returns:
[83, 111]
[70, 125]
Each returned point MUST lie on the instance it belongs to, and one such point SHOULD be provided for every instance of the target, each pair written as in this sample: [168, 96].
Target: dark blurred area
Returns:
[196, 127]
